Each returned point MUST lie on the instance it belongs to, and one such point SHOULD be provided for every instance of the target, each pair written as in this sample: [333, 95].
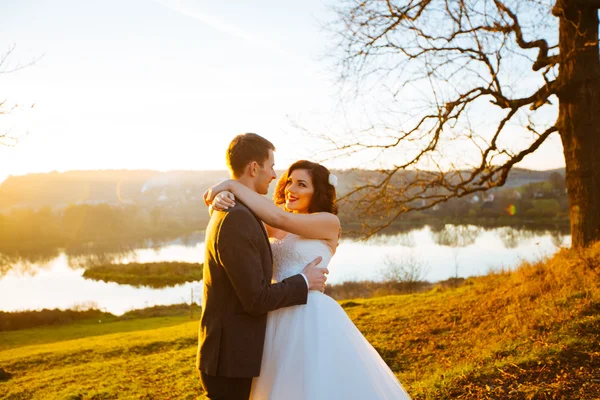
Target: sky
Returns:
[166, 84]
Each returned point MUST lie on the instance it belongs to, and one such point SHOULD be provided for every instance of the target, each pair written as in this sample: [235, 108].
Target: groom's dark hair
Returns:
[246, 148]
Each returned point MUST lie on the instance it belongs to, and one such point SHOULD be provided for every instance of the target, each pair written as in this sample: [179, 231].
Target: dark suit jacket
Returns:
[238, 293]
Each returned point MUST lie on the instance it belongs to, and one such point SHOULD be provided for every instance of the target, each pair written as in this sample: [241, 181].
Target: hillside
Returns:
[528, 334]
[147, 187]
[58, 189]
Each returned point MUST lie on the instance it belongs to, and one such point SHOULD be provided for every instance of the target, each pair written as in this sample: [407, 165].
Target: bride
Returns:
[313, 351]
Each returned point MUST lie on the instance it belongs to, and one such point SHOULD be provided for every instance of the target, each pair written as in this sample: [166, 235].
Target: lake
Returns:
[454, 250]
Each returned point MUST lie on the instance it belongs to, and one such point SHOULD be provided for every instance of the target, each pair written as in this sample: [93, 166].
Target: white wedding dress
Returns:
[314, 351]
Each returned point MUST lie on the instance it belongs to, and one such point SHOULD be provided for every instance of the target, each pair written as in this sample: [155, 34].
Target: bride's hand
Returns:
[223, 201]
[214, 190]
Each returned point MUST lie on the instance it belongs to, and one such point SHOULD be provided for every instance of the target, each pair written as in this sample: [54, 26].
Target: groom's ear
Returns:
[253, 169]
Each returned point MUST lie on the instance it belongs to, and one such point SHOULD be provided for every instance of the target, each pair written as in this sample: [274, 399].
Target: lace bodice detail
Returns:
[293, 252]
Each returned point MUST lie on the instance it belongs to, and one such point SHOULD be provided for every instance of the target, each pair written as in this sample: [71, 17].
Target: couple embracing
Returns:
[267, 331]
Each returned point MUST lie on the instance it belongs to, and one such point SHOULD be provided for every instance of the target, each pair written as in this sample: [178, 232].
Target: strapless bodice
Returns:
[293, 252]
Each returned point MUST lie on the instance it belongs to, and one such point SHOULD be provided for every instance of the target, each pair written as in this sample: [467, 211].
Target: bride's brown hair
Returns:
[324, 196]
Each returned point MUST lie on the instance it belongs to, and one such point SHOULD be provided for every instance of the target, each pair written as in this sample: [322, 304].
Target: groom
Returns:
[238, 293]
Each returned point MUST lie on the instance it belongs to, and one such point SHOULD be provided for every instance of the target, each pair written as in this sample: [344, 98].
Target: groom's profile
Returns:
[238, 292]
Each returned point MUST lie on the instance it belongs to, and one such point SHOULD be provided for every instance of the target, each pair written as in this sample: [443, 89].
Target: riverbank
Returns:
[17, 321]
[527, 334]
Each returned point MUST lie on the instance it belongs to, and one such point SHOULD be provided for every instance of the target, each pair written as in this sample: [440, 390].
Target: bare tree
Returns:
[407, 270]
[489, 71]
[6, 139]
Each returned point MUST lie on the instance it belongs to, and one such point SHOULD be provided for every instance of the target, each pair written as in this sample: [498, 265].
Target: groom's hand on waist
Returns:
[315, 277]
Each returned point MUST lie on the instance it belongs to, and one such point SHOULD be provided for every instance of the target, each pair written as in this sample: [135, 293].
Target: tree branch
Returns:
[543, 60]
[462, 50]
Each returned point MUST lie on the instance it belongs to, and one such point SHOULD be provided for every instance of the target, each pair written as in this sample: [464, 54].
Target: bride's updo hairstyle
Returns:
[324, 196]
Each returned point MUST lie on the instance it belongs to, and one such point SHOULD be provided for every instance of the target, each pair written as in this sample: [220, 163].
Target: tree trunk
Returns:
[579, 116]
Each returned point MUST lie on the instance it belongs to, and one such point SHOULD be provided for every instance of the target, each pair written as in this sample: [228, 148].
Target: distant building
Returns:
[489, 198]
[163, 197]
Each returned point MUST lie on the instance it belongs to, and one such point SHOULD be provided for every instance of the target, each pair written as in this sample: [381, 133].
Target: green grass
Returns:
[83, 329]
[528, 334]
[156, 362]
[156, 274]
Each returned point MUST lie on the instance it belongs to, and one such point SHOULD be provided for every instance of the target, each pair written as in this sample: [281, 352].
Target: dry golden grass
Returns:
[529, 334]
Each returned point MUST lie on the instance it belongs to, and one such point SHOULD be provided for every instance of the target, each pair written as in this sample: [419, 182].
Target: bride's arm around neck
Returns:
[322, 225]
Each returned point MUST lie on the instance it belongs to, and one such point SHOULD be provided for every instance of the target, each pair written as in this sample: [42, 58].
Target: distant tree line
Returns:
[24, 230]
[543, 201]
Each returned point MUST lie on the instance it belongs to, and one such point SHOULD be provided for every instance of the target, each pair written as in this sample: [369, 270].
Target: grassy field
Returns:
[530, 334]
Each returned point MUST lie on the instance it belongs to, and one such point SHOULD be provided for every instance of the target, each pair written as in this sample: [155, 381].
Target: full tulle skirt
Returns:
[315, 352]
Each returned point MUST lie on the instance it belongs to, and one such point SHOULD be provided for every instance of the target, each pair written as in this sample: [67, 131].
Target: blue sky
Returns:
[166, 84]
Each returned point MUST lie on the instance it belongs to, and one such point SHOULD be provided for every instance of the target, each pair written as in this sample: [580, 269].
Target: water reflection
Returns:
[26, 263]
[405, 239]
[93, 256]
[558, 238]
[60, 286]
[457, 235]
[511, 238]
[191, 240]
[450, 251]
[54, 279]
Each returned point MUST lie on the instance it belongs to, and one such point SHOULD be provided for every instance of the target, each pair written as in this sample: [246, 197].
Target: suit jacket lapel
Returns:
[262, 227]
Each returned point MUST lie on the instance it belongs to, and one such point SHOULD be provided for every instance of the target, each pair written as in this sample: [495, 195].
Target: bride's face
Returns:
[299, 191]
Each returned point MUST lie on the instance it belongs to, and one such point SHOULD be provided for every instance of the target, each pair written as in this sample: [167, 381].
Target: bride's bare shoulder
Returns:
[275, 233]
